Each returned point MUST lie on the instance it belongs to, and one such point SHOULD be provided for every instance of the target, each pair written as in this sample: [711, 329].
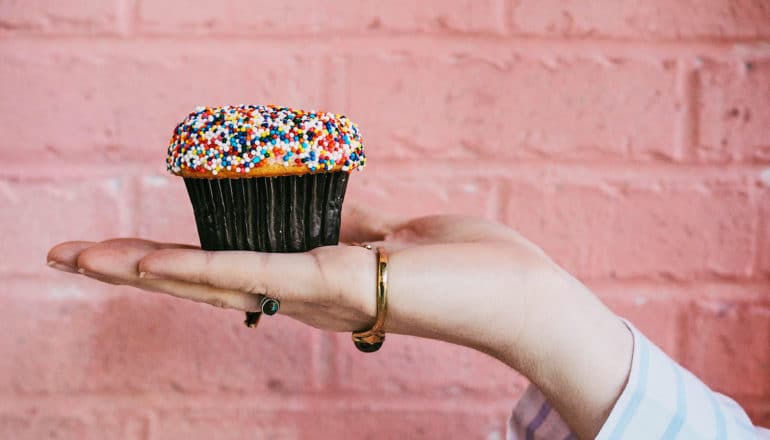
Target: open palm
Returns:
[440, 266]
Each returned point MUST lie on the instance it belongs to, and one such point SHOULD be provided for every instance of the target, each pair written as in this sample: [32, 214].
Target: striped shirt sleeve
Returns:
[661, 400]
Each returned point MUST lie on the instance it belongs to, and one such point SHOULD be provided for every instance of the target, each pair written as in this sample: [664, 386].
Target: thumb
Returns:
[361, 224]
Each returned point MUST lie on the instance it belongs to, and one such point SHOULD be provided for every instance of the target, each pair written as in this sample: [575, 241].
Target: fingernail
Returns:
[148, 276]
[59, 266]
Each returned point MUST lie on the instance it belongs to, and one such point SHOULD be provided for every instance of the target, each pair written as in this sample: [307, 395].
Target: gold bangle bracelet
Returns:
[371, 340]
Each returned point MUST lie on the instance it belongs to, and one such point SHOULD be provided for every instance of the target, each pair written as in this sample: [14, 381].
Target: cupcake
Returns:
[265, 178]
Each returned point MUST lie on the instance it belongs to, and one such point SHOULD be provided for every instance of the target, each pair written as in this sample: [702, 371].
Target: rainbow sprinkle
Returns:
[241, 139]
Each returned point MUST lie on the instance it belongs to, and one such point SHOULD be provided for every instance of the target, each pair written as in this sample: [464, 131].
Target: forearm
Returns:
[574, 349]
[526, 312]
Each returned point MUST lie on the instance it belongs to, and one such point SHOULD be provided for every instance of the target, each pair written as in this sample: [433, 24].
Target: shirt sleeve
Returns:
[660, 400]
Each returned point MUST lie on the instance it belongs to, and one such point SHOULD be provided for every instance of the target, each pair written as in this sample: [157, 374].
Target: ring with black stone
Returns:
[269, 306]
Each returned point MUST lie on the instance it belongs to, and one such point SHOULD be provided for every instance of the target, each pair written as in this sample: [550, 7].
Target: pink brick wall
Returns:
[631, 139]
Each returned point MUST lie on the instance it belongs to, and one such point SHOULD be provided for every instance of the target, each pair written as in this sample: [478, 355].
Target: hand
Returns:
[457, 279]
[441, 267]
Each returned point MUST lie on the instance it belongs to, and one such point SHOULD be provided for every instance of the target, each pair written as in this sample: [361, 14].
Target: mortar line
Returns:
[297, 403]
[79, 170]
[431, 43]
[686, 124]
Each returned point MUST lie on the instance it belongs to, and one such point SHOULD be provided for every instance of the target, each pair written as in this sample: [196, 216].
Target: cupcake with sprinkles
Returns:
[265, 178]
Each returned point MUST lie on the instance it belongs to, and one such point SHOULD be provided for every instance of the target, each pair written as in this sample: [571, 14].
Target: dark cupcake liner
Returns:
[268, 214]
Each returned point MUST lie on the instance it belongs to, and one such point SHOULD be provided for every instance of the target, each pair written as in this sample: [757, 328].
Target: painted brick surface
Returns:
[307, 16]
[436, 368]
[61, 423]
[385, 187]
[764, 233]
[591, 226]
[325, 423]
[658, 318]
[103, 112]
[687, 19]
[46, 212]
[628, 139]
[68, 97]
[733, 121]
[514, 108]
[68, 16]
[77, 336]
[731, 334]
[164, 212]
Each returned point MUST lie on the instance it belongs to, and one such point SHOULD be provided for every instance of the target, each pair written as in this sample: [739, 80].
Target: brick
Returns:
[226, 424]
[118, 339]
[759, 413]
[122, 101]
[733, 120]
[428, 424]
[72, 423]
[172, 86]
[570, 221]
[66, 105]
[465, 107]
[414, 195]
[43, 213]
[58, 16]
[234, 17]
[408, 365]
[309, 16]
[660, 309]
[638, 227]
[164, 210]
[728, 347]
[42, 427]
[658, 318]
[478, 16]
[317, 422]
[644, 20]
[700, 228]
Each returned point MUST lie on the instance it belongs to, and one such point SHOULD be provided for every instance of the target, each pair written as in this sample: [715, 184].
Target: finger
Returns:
[115, 261]
[361, 224]
[63, 256]
[118, 257]
[332, 274]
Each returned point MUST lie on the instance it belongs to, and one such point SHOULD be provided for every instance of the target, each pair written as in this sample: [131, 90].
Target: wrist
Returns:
[471, 298]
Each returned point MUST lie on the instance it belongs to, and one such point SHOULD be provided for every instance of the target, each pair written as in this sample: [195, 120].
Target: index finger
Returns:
[331, 274]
